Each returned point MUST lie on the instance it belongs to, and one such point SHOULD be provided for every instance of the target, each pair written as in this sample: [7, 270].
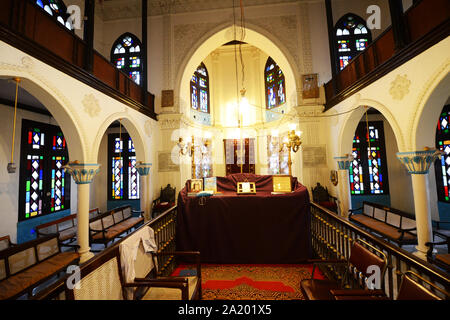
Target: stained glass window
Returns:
[352, 37]
[123, 175]
[203, 158]
[58, 10]
[200, 89]
[278, 157]
[126, 56]
[368, 170]
[275, 87]
[442, 166]
[44, 186]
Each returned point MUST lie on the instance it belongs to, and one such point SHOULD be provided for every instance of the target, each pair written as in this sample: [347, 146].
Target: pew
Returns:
[25, 266]
[65, 227]
[392, 224]
[108, 226]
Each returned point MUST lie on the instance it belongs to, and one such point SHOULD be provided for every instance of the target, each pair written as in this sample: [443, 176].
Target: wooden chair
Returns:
[101, 278]
[411, 288]
[165, 201]
[5, 243]
[355, 275]
[441, 260]
[324, 199]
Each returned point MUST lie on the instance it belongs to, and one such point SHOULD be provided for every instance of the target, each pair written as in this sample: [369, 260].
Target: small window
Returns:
[275, 86]
[58, 10]
[126, 56]
[200, 89]
[352, 37]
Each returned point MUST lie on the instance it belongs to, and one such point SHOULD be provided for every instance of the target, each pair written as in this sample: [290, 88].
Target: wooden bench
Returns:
[112, 224]
[65, 227]
[5, 243]
[25, 266]
[392, 224]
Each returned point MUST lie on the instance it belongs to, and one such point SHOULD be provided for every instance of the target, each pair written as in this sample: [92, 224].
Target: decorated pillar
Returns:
[144, 173]
[344, 163]
[418, 165]
[82, 174]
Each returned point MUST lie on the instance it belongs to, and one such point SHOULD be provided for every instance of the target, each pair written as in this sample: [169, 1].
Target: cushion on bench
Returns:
[382, 227]
[27, 278]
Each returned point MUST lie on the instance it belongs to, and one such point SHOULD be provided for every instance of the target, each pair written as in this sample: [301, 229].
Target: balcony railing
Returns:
[30, 29]
[427, 23]
[332, 237]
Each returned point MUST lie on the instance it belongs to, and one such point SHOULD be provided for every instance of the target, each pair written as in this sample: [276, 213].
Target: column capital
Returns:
[82, 173]
[419, 162]
[344, 161]
[143, 168]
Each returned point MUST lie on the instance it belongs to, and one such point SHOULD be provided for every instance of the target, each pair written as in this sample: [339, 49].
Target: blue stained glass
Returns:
[40, 4]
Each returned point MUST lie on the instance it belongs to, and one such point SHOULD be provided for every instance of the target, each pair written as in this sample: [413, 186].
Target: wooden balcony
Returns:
[427, 23]
[30, 29]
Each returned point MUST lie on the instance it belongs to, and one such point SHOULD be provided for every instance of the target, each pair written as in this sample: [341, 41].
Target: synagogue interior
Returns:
[225, 150]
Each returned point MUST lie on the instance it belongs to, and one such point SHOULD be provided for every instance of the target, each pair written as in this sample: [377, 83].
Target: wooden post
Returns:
[88, 34]
[401, 34]
[331, 44]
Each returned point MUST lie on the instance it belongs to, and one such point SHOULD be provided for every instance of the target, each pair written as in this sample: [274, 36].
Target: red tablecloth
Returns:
[261, 228]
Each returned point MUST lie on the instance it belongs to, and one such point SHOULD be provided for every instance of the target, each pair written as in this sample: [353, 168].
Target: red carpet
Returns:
[251, 281]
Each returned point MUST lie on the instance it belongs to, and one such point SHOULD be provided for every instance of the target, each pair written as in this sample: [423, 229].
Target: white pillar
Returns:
[83, 222]
[83, 175]
[418, 164]
[344, 163]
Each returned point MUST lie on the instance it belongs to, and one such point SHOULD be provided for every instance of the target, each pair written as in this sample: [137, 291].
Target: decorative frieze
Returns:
[419, 162]
[82, 173]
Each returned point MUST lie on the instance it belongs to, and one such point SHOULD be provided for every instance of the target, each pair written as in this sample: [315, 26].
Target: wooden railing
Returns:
[164, 227]
[24, 25]
[427, 22]
[332, 237]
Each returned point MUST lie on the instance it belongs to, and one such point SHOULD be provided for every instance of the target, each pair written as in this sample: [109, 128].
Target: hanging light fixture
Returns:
[12, 166]
[368, 135]
[120, 145]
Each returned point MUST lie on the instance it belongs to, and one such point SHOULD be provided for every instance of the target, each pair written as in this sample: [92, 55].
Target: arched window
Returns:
[126, 55]
[368, 170]
[200, 89]
[274, 85]
[44, 186]
[123, 176]
[442, 166]
[58, 10]
[352, 37]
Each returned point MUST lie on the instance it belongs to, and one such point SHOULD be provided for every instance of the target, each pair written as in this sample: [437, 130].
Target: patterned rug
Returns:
[251, 281]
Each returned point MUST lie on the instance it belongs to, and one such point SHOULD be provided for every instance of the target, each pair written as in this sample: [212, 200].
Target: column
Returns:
[344, 163]
[331, 44]
[83, 174]
[418, 165]
[144, 173]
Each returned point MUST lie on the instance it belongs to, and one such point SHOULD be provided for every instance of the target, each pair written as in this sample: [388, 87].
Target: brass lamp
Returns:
[291, 142]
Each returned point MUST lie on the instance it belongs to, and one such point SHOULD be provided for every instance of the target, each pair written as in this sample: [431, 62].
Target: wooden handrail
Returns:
[335, 234]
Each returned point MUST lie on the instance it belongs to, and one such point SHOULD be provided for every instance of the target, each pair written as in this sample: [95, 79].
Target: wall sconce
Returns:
[186, 148]
[291, 142]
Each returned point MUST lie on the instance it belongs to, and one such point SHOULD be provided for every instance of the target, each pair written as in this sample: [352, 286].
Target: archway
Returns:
[223, 34]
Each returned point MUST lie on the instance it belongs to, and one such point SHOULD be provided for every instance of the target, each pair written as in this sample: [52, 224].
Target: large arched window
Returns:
[352, 37]
[58, 10]
[200, 89]
[126, 55]
[442, 166]
[274, 84]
